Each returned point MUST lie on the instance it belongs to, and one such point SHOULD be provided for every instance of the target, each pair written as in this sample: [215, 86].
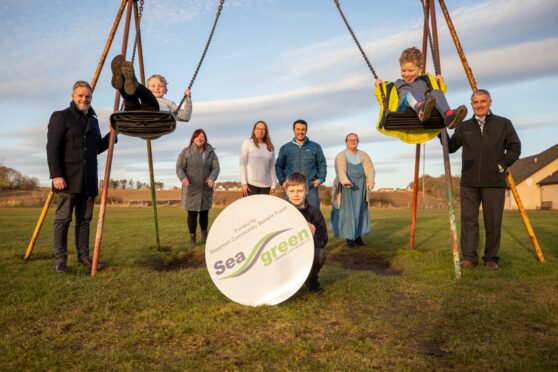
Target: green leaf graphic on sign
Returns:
[255, 253]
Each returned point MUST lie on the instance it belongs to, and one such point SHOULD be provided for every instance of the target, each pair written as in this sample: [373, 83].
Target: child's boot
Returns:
[424, 108]
[454, 117]
[130, 81]
[192, 243]
[203, 236]
[116, 67]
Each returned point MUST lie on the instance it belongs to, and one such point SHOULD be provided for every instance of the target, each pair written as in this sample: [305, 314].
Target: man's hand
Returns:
[187, 93]
[312, 228]
[245, 190]
[378, 82]
[210, 182]
[185, 181]
[371, 185]
[59, 183]
[272, 191]
[316, 183]
[348, 184]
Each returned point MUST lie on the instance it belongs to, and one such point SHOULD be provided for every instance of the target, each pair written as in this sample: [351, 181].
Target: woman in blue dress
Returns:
[353, 182]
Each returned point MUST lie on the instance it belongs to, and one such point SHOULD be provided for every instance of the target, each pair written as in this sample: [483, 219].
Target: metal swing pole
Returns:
[148, 141]
[509, 177]
[417, 147]
[104, 194]
[447, 167]
[93, 84]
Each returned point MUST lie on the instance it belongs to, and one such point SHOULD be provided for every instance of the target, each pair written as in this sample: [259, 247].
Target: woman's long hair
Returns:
[266, 139]
[196, 133]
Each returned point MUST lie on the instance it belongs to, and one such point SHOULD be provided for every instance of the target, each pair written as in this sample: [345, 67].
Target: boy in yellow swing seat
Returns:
[420, 93]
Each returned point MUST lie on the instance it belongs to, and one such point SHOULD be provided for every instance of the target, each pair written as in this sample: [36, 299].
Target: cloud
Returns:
[326, 83]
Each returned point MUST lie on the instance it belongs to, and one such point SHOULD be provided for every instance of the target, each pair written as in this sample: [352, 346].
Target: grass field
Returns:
[383, 306]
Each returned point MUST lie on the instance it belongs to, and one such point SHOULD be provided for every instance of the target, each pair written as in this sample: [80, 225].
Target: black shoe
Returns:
[86, 261]
[454, 117]
[130, 81]
[61, 267]
[424, 108]
[203, 236]
[314, 287]
[116, 67]
[350, 243]
[192, 243]
[358, 241]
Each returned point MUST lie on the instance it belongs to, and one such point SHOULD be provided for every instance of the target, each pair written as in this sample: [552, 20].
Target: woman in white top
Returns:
[257, 162]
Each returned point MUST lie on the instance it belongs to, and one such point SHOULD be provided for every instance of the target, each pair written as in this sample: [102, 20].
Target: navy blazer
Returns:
[74, 140]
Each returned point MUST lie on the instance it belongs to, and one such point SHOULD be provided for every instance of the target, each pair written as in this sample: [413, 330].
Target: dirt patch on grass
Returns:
[194, 259]
[433, 348]
[360, 261]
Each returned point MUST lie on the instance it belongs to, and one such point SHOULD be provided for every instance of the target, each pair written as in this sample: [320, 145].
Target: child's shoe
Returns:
[314, 287]
[424, 108]
[130, 81]
[454, 117]
[116, 67]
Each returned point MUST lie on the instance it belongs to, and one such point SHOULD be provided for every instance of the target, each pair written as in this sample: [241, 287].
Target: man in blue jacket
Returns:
[490, 145]
[303, 156]
[74, 140]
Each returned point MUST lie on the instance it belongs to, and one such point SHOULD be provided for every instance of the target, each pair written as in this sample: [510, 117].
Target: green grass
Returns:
[159, 309]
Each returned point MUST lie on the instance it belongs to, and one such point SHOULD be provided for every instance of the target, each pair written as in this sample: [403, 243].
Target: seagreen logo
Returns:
[260, 251]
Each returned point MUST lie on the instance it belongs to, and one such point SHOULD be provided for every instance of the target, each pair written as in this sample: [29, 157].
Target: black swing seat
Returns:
[408, 120]
[143, 124]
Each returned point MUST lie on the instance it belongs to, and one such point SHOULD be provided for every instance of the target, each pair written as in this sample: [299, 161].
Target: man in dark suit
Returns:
[490, 145]
[74, 140]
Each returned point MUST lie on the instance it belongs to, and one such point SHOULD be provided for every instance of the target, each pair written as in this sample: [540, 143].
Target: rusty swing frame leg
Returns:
[104, 194]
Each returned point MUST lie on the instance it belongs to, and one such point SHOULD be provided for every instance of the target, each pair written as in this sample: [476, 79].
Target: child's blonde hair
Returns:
[295, 179]
[161, 79]
[412, 55]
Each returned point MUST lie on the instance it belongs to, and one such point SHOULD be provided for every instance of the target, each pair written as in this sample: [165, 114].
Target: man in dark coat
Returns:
[74, 140]
[490, 145]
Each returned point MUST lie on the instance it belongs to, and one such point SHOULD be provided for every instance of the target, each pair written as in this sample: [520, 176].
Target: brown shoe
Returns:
[491, 265]
[130, 81]
[466, 264]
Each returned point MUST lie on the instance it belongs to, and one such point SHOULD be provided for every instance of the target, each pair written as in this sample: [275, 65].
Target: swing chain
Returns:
[384, 98]
[136, 41]
[219, 9]
[430, 41]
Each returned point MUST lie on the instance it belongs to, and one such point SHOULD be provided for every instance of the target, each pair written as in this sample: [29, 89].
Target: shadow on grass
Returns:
[164, 261]
[35, 256]
[361, 260]
[514, 234]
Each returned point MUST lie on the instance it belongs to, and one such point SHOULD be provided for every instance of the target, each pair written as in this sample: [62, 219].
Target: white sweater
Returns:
[183, 114]
[257, 165]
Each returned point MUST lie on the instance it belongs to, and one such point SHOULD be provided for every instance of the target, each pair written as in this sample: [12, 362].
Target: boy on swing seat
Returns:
[421, 93]
[151, 98]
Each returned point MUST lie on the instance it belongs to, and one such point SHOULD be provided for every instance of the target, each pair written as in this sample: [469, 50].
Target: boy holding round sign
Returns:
[297, 188]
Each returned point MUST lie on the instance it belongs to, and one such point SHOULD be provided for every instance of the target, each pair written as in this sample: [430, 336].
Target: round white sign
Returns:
[259, 250]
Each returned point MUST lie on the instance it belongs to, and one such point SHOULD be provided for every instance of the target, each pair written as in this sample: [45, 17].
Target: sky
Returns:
[277, 61]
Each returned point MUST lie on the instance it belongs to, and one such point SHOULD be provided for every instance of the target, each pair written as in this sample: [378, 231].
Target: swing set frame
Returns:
[429, 24]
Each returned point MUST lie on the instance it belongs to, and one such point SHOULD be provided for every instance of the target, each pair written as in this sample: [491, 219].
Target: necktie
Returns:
[481, 123]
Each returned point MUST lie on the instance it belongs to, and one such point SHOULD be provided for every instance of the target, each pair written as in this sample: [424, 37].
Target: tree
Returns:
[436, 186]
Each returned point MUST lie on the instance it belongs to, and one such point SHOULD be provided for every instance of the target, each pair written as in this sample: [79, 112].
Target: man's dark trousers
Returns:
[492, 199]
[83, 205]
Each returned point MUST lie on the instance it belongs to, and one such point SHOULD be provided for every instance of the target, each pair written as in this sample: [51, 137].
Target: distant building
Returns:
[536, 179]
